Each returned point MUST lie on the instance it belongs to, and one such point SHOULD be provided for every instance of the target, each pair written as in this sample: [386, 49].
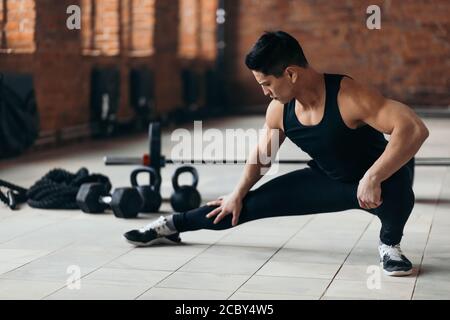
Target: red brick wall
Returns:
[189, 27]
[101, 27]
[142, 24]
[407, 59]
[208, 29]
[19, 27]
[127, 33]
[197, 17]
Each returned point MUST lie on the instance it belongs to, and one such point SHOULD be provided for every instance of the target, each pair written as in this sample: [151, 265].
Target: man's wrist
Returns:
[373, 177]
[240, 194]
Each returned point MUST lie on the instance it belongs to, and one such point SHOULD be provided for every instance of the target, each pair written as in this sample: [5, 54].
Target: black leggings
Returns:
[310, 191]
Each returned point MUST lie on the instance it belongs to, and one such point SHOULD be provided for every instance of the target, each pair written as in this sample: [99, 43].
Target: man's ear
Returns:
[292, 74]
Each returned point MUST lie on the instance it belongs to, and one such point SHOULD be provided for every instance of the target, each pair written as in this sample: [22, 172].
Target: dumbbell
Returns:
[150, 194]
[95, 198]
[186, 197]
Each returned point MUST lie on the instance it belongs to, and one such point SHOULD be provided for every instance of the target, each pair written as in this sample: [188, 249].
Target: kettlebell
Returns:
[185, 197]
[149, 193]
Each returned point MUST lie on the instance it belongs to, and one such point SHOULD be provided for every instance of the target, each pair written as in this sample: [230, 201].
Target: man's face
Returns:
[280, 89]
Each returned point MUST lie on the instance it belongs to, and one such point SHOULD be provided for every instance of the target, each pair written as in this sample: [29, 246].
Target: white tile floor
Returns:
[42, 251]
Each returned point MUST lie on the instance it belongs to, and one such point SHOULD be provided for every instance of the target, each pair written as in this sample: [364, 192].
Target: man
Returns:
[340, 123]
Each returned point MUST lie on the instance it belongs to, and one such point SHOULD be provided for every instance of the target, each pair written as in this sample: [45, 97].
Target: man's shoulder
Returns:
[349, 87]
[274, 115]
[356, 99]
[353, 91]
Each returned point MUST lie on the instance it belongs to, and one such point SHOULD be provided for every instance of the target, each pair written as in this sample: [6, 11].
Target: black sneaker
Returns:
[156, 232]
[393, 261]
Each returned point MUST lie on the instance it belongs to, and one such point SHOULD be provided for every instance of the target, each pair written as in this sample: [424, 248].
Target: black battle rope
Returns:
[14, 195]
[56, 190]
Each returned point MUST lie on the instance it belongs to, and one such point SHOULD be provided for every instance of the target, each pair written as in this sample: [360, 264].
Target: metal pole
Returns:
[163, 161]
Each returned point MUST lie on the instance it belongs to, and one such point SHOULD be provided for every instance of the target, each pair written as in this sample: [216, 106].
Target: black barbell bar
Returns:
[145, 160]
[155, 160]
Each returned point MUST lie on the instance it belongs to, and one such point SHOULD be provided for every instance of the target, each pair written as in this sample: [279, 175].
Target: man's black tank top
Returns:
[342, 153]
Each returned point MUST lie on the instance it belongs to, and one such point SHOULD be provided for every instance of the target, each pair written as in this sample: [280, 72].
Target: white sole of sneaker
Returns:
[161, 240]
[396, 273]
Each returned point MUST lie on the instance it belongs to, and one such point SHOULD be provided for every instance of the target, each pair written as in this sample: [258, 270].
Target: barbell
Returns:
[145, 160]
[157, 161]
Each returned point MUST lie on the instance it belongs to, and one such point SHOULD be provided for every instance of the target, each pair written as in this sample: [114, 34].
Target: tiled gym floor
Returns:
[329, 256]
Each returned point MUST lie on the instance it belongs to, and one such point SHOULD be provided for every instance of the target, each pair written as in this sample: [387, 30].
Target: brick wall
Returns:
[197, 17]
[101, 27]
[122, 33]
[18, 35]
[408, 59]
[142, 24]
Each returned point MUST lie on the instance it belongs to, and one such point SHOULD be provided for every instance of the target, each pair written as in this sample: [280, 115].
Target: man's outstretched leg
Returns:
[304, 191]
[299, 192]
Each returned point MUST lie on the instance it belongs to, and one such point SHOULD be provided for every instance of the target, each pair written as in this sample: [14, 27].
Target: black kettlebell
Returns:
[185, 198]
[149, 193]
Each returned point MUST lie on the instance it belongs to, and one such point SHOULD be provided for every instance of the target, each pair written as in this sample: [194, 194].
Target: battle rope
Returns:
[56, 190]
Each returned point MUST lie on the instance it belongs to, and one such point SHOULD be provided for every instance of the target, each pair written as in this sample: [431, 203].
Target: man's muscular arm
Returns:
[266, 151]
[407, 133]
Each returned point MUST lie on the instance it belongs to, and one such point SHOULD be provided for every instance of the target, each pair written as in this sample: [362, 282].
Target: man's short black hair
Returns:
[274, 52]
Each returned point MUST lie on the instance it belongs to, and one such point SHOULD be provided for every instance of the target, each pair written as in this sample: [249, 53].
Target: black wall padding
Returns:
[141, 90]
[142, 96]
[191, 87]
[105, 95]
[19, 117]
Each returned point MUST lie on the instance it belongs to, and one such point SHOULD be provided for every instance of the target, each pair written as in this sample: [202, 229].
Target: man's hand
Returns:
[369, 193]
[231, 204]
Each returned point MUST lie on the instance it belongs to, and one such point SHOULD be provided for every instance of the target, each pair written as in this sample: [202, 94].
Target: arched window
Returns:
[197, 29]
[17, 26]
[141, 27]
[100, 26]
[111, 25]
